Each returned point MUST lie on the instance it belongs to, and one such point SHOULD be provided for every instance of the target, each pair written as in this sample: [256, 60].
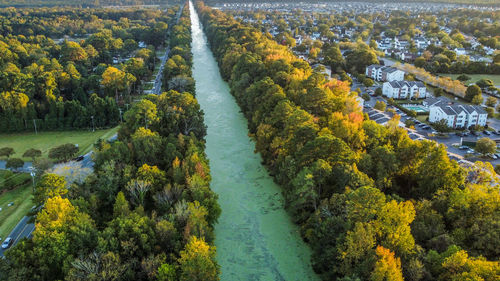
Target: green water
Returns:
[255, 237]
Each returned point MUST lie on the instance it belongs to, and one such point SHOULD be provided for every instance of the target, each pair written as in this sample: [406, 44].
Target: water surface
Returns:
[255, 237]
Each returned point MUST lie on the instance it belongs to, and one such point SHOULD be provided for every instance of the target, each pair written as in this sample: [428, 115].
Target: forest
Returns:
[66, 68]
[372, 203]
[147, 211]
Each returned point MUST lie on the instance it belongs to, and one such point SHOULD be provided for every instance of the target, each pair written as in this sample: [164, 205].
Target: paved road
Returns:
[23, 229]
[158, 80]
[26, 168]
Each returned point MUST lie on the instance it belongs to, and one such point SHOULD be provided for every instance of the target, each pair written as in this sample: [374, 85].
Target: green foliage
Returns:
[380, 105]
[14, 163]
[32, 153]
[63, 152]
[486, 146]
[6, 151]
[472, 92]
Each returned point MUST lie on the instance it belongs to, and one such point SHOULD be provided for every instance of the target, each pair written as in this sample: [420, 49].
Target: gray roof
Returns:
[456, 109]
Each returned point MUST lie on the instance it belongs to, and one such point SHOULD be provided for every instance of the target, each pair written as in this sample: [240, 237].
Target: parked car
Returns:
[493, 156]
[463, 147]
[487, 133]
[470, 151]
[7, 243]
[79, 158]
[473, 133]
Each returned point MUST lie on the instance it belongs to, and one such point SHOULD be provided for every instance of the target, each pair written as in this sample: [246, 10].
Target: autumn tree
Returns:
[197, 261]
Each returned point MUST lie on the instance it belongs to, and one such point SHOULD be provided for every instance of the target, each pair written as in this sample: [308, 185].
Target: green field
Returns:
[47, 140]
[477, 77]
[10, 216]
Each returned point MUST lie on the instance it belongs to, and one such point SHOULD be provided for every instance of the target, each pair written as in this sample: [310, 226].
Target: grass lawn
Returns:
[422, 118]
[47, 140]
[477, 77]
[10, 216]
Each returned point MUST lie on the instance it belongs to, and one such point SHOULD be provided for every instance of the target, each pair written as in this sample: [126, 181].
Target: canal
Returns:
[255, 238]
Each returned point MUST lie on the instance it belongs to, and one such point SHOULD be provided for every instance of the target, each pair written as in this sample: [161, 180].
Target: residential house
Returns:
[384, 73]
[458, 116]
[404, 90]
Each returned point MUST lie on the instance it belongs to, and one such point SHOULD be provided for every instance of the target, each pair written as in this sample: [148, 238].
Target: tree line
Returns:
[177, 74]
[146, 213]
[372, 203]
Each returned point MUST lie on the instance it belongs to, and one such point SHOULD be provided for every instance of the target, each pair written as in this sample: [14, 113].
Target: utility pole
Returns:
[93, 127]
[34, 123]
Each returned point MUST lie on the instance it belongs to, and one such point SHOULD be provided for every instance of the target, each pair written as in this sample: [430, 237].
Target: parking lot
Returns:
[424, 131]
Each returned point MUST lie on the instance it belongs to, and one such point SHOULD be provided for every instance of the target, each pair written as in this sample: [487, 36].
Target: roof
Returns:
[458, 108]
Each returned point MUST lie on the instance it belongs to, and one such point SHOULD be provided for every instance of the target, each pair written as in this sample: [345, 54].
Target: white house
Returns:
[421, 42]
[384, 73]
[458, 116]
[404, 90]
[460, 51]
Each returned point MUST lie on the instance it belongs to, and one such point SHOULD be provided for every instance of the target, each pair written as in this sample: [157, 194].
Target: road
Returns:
[158, 80]
[23, 229]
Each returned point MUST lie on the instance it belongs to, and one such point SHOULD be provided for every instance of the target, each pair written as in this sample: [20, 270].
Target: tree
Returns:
[477, 99]
[471, 92]
[463, 78]
[166, 272]
[486, 146]
[387, 267]
[63, 152]
[197, 261]
[14, 163]
[6, 151]
[368, 82]
[50, 185]
[121, 207]
[380, 105]
[32, 153]
[491, 101]
[484, 83]
[115, 80]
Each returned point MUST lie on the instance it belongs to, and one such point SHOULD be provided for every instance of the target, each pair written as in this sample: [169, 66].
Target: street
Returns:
[23, 229]
[158, 80]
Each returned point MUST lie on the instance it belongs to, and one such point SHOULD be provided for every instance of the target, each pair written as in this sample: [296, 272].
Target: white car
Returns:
[6, 244]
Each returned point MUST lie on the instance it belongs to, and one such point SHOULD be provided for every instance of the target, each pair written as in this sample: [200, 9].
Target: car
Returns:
[79, 158]
[463, 147]
[496, 133]
[473, 133]
[487, 133]
[426, 127]
[470, 151]
[493, 156]
[7, 243]
[10, 204]
[497, 154]
[459, 134]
